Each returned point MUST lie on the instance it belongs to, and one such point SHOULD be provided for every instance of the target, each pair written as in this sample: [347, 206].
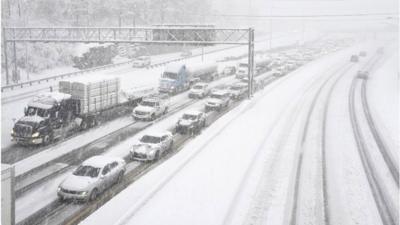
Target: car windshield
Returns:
[32, 111]
[188, 117]
[87, 171]
[148, 103]
[198, 87]
[150, 139]
[172, 76]
[236, 88]
[217, 96]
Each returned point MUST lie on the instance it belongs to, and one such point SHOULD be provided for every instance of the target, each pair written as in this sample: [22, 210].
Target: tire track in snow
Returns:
[386, 212]
[295, 206]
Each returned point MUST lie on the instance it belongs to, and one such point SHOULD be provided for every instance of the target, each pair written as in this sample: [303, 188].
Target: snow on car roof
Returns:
[200, 84]
[157, 133]
[100, 161]
[192, 112]
[219, 92]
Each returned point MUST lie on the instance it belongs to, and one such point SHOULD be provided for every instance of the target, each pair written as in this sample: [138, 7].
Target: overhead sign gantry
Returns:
[171, 34]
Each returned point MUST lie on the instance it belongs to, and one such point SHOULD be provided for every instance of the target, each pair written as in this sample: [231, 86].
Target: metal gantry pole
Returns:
[250, 62]
[5, 57]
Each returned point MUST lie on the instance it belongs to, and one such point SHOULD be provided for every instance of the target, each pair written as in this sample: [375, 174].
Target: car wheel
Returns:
[153, 117]
[165, 110]
[84, 125]
[170, 146]
[157, 156]
[93, 194]
[46, 139]
[120, 177]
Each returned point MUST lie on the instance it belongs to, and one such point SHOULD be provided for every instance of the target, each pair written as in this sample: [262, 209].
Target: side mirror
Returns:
[25, 111]
[101, 177]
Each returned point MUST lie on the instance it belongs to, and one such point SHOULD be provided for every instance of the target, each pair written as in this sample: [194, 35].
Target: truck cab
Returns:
[174, 79]
[45, 119]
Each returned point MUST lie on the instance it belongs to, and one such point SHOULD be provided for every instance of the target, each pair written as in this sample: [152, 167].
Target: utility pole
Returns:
[5, 57]
[250, 62]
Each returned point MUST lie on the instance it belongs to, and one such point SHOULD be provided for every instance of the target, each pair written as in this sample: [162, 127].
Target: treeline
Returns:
[41, 56]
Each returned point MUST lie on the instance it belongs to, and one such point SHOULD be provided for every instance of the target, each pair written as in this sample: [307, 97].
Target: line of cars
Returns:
[98, 173]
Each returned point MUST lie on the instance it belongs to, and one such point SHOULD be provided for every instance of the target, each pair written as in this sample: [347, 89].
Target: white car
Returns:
[141, 61]
[218, 100]
[151, 146]
[199, 90]
[238, 90]
[92, 177]
[150, 108]
[191, 122]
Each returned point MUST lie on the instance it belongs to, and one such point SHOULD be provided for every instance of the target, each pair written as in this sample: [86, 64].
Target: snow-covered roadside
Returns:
[352, 201]
[383, 98]
[208, 183]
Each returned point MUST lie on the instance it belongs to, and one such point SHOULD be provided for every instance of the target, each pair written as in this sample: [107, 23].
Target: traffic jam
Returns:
[159, 121]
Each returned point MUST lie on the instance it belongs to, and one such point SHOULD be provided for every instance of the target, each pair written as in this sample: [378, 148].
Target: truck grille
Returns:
[23, 130]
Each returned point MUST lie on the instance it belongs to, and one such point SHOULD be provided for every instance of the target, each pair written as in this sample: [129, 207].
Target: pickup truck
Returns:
[199, 90]
[151, 107]
[191, 122]
[218, 100]
[150, 147]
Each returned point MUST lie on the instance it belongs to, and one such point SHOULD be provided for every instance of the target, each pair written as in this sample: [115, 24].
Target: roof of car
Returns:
[192, 112]
[220, 92]
[157, 133]
[201, 83]
[100, 161]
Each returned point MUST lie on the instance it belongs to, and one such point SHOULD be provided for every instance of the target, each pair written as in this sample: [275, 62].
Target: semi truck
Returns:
[179, 77]
[78, 105]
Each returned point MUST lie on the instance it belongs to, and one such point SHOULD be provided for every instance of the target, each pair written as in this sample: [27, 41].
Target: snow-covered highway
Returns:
[298, 164]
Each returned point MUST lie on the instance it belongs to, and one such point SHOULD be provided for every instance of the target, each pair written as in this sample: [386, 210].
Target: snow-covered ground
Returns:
[242, 169]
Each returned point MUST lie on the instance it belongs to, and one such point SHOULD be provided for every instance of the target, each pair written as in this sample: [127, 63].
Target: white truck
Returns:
[151, 107]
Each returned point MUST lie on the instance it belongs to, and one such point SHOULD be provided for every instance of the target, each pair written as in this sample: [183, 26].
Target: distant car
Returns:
[354, 58]
[186, 53]
[151, 146]
[362, 74]
[238, 90]
[141, 61]
[218, 100]
[92, 177]
[229, 70]
[199, 90]
[380, 50]
[363, 53]
[191, 122]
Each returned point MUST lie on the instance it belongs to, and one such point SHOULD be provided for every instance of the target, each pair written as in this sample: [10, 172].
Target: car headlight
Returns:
[12, 131]
[36, 134]
[83, 193]
[58, 189]
[172, 87]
